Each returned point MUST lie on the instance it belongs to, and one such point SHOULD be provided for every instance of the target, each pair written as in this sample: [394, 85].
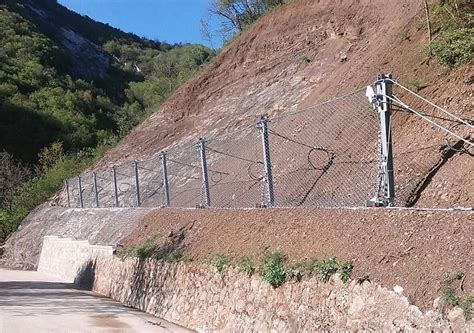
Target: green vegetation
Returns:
[454, 48]
[45, 102]
[417, 84]
[402, 35]
[237, 15]
[326, 268]
[345, 270]
[273, 268]
[151, 248]
[246, 266]
[453, 31]
[54, 166]
[220, 262]
[449, 295]
[323, 268]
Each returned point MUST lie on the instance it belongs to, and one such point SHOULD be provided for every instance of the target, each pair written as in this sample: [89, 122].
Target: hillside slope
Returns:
[67, 78]
[308, 52]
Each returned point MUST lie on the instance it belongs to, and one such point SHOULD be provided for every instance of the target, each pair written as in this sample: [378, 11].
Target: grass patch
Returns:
[246, 266]
[402, 35]
[417, 84]
[453, 32]
[150, 249]
[454, 48]
[450, 296]
[220, 262]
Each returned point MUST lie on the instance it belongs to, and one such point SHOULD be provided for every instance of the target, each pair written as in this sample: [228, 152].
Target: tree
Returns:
[12, 175]
[236, 15]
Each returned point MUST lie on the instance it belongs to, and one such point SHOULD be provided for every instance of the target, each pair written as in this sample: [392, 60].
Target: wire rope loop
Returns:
[127, 186]
[330, 155]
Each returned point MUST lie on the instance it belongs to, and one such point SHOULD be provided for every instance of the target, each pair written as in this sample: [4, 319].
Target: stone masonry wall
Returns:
[200, 298]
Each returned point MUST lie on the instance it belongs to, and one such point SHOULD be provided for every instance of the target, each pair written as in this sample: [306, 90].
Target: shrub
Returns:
[246, 266]
[40, 189]
[402, 35]
[125, 252]
[326, 268]
[220, 262]
[177, 255]
[453, 48]
[273, 269]
[148, 248]
[345, 270]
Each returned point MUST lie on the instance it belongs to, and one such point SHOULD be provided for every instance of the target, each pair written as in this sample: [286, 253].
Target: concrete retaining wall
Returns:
[64, 258]
[99, 226]
[199, 298]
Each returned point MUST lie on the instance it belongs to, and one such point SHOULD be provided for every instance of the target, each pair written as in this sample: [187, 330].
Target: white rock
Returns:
[398, 289]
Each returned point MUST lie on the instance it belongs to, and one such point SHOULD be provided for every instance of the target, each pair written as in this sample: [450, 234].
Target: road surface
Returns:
[31, 302]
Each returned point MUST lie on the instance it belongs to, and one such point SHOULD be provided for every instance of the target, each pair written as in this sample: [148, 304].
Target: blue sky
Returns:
[172, 21]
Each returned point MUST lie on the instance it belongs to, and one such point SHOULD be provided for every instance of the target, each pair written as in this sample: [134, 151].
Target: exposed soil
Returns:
[309, 51]
[413, 249]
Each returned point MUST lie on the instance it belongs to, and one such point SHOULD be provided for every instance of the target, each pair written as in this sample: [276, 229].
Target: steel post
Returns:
[263, 127]
[114, 179]
[96, 192]
[79, 184]
[166, 191]
[384, 93]
[66, 184]
[137, 183]
[205, 176]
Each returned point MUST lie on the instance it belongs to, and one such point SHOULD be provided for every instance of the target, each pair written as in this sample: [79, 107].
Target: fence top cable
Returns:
[432, 104]
[291, 113]
[397, 100]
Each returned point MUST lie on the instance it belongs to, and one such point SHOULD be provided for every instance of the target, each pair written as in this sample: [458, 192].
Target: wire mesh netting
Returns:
[417, 154]
[327, 155]
[184, 176]
[151, 182]
[236, 170]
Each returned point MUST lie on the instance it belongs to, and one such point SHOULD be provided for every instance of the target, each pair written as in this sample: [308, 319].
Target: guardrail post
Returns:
[79, 184]
[263, 127]
[114, 180]
[166, 191]
[66, 184]
[137, 182]
[205, 176]
[96, 192]
[383, 87]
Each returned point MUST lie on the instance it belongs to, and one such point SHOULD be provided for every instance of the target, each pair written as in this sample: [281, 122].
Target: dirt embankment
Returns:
[414, 249]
